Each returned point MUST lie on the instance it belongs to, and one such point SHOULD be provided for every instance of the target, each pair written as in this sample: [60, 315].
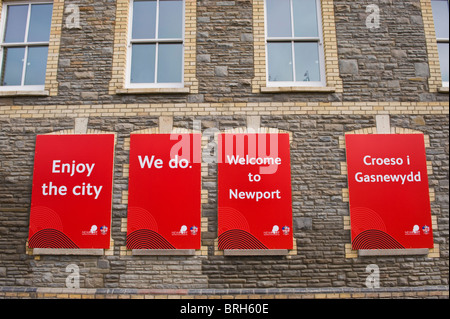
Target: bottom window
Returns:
[293, 62]
[280, 62]
[12, 69]
[307, 66]
[156, 63]
[13, 66]
[143, 63]
[36, 66]
[443, 58]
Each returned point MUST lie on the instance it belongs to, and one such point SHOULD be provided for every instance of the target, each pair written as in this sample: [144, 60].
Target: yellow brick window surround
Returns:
[435, 79]
[51, 83]
[333, 82]
[118, 85]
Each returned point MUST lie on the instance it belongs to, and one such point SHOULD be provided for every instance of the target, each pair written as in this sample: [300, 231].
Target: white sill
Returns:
[443, 89]
[67, 252]
[255, 252]
[24, 93]
[393, 252]
[182, 90]
[163, 252]
[297, 89]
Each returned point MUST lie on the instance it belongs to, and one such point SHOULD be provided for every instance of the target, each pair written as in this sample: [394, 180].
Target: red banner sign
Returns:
[164, 192]
[389, 194]
[254, 185]
[72, 191]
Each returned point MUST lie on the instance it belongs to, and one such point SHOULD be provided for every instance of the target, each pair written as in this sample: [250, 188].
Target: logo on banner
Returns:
[274, 232]
[194, 230]
[103, 230]
[181, 232]
[286, 230]
[184, 231]
[92, 231]
[415, 231]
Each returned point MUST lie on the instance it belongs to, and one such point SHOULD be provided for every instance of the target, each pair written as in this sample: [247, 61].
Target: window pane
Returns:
[12, 66]
[440, 14]
[280, 61]
[307, 65]
[170, 63]
[144, 20]
[170, 19]
[305, 18]
[443, 58]
[40, 21]
[278, 18]
[16, 22]
[143, 63]
[36, 65]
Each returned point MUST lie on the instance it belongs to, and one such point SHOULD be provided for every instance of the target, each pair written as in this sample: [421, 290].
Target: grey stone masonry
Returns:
[384, 73]
[389, 63]
[318, 212]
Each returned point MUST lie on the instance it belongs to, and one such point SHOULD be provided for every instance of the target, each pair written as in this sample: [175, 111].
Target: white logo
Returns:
[415, 231]
[93, 231]
[274, 232]
[183, 231]
[275, 229]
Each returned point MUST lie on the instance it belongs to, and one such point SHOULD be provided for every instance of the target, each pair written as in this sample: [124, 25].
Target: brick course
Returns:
[437, 292]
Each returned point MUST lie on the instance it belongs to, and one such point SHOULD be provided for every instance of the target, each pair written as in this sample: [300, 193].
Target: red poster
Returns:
[164, 191]
[254, 191]
[72, 191]
[389, 194]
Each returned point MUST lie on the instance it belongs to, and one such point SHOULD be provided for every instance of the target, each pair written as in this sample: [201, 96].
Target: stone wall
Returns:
[383, 65]
[318, 212]
[383, 71]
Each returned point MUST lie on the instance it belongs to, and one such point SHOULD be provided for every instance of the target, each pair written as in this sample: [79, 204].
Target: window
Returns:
[440, 10]
[25, 39]
[294, 43]
[158, 41]
[156, 44]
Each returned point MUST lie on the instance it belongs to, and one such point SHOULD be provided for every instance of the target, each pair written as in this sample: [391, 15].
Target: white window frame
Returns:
[156, 41]
[292, 40]
[442, 40]
[25, 44]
